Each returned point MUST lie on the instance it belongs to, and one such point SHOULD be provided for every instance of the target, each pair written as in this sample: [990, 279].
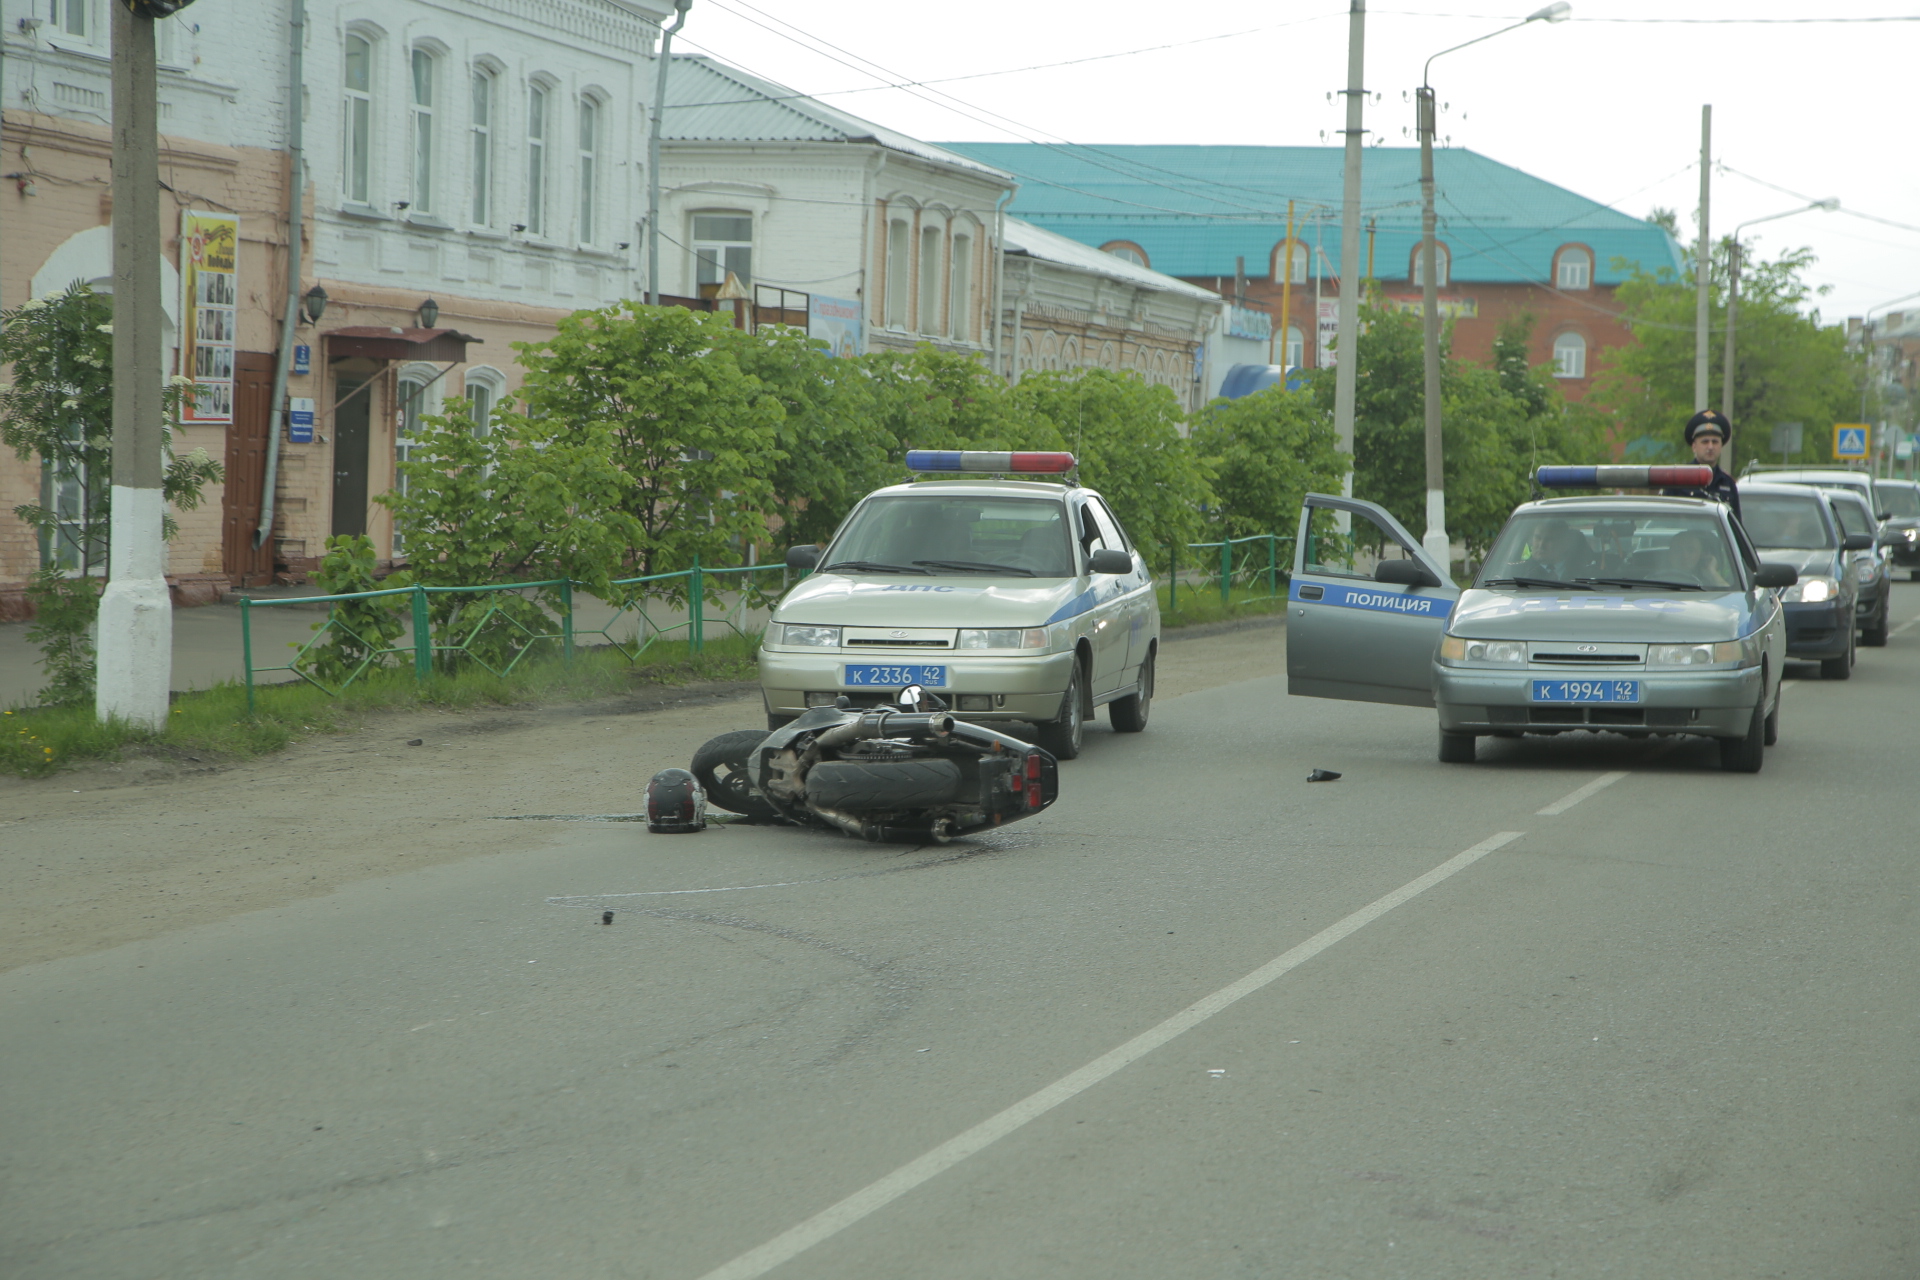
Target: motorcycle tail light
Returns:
[1032, 772]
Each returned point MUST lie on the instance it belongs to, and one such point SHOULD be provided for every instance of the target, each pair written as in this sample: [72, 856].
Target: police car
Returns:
[1011, 594]
[1635, 615]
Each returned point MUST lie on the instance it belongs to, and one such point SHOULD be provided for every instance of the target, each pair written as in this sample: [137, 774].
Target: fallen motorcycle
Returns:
[881, 774]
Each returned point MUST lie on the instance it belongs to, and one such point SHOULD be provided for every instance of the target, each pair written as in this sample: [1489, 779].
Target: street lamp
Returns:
[680, 8]
[429, 314]
[1436, 542]
[1733, 299]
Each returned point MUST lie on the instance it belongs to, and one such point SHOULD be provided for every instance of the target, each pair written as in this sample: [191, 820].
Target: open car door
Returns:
[1365, 609]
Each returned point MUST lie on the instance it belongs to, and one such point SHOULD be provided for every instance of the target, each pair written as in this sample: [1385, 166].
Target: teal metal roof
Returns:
[1195, 209]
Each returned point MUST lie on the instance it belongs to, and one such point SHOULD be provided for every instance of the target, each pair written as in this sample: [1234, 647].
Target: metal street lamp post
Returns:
[1436, 542]
[1733, 301]
[653, 150]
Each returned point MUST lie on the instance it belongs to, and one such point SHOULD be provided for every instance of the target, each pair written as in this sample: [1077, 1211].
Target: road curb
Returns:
[1204, 629]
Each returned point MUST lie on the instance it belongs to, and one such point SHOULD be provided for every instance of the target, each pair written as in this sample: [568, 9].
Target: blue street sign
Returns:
[1850, 440]
[299, 420]
[302, 359]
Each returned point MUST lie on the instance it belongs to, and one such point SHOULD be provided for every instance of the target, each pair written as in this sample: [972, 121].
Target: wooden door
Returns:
[244, 564]
[352, 420]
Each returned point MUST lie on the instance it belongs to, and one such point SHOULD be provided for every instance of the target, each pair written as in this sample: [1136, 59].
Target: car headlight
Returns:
[1003, 638]
[1812, 590]
[811, 637]
[1911, 535]
[1460, 649]
[1866, 571]
[1696, 655]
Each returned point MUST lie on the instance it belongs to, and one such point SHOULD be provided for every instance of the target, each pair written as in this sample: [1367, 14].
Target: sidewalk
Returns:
[207, 648]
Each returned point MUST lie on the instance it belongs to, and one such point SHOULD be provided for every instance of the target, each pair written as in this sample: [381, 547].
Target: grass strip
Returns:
[38, 741]
[1201, 604]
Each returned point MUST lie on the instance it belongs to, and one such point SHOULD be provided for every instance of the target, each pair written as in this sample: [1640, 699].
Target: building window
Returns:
[1125, 252]
[423, 69]
[484, 387]
[482, 148]
[722, 242]
[70, 17]
[930, 278]
[1569, 356]
[1575, 270]
[414, 388]
[1296, 352]
[590, 167]
[899, 272]
[356, 176]
[1443, 266]
[538, 105]
[1290, 256]
[960, 291]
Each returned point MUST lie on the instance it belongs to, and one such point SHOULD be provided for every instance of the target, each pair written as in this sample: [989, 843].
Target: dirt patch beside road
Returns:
[108, 854]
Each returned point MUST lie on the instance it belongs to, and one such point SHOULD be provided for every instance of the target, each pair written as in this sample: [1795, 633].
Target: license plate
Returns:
[876, 676]
[1586, 691]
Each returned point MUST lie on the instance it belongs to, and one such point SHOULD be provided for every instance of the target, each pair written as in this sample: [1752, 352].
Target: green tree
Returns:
[928, 399]
[1788, 367]
[660, 391]
[1267, 451]
[1125, 434]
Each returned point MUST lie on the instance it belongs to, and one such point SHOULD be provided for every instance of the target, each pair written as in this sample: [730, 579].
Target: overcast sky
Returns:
[1610, 109]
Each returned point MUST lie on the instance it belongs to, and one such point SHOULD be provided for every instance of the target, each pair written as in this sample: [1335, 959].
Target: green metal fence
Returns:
[1247, 565]
[375, 633]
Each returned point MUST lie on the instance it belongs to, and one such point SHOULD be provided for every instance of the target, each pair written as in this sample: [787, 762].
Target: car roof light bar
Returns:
[1624, 477]
[986, 460]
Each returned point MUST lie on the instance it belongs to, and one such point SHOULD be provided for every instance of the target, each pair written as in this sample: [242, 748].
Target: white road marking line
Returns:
[1905, 627]
[877, 1195]
[1573, 798]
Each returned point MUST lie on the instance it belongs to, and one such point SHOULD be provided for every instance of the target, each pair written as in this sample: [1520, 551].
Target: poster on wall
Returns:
[209, 253]
[838, 322]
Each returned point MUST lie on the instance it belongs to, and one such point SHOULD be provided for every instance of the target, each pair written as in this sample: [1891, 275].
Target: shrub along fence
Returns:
[368, 630]
[1258, 558]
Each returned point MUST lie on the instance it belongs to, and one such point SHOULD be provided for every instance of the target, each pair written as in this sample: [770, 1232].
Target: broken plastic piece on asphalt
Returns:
[1322, 775]
[606, 917]
[414, 742]
[1216, 1072]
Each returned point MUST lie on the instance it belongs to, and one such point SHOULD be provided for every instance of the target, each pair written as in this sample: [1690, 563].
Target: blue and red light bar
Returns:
[989, 460]
[1624, 477]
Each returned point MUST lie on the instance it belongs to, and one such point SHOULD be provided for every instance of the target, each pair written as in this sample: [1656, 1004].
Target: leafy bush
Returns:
[64, 612]
[355, 630]
[1267, 451]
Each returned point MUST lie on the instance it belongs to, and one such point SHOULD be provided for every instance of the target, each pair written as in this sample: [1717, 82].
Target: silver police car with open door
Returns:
[1636, 615]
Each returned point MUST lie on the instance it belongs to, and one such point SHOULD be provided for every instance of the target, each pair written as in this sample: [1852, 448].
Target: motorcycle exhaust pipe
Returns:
[887, 724]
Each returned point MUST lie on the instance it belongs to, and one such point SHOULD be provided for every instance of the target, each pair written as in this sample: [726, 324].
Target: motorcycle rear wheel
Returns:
[853, 786]
[721, 766]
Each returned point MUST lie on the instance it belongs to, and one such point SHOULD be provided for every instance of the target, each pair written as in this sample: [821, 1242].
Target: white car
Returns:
[1007, 599]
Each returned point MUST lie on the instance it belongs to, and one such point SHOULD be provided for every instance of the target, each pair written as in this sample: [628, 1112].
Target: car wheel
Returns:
[1747, 754]
[1913, 575]
[1840, 668]
[1875, 636]
[1456, 748]
[1129, 714]
[1063, 736]
[1771, 734]
[722, 768]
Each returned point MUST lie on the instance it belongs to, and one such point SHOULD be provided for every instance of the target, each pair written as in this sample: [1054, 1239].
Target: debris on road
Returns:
[1322, 775]
[606, 917]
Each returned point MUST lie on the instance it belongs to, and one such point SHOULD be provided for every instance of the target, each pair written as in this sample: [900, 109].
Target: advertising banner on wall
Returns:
[838, 321]
[1329, 329]
[209, 254]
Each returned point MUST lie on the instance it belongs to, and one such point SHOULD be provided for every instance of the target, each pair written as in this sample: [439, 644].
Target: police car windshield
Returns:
[958, 535]
[1899, 500]
[1623, 550]
[1776, 520]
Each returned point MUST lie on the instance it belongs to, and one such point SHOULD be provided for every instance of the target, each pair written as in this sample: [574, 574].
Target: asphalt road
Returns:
[1200, 1019]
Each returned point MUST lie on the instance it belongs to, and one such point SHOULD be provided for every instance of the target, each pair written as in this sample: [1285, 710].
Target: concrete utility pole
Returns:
[1703, 267]
[653, 149]
[136, 617]
[1347, 368]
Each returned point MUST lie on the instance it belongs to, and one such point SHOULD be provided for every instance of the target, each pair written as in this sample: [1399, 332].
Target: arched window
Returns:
[1296, 352]
[481, 179]
[1569, 356]
[1126, 251]
[899, 271]
[1443, 266]
[419, 397]
[1575, 269]
[421, 113]
[590, 169]
[960, 289]
[356, 170]
[539, 128]
[485, 387]
[932, 276]
[1290, 255]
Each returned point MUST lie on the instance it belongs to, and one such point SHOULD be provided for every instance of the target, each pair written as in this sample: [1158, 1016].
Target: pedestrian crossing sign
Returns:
[1850, 440]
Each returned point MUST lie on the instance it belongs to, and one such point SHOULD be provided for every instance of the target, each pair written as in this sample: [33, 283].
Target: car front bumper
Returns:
[1815, 631]
[1714, 704]
[1020, 687]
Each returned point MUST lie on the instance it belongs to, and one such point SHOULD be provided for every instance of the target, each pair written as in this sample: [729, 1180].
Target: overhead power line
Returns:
[1857, 213]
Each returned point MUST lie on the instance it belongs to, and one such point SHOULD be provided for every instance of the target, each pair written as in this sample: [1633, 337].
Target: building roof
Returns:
[1023, 239]
[708, 101]
[1195, 209]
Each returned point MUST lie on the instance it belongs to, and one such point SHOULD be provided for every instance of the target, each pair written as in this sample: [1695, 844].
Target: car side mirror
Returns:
[1775, 576]
[1406, 573]
[1107, 560]
[1857, 542]
[1884, 515]
[803, 557]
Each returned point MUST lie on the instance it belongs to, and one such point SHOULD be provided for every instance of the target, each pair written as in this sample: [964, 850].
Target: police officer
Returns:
[1707, 433]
